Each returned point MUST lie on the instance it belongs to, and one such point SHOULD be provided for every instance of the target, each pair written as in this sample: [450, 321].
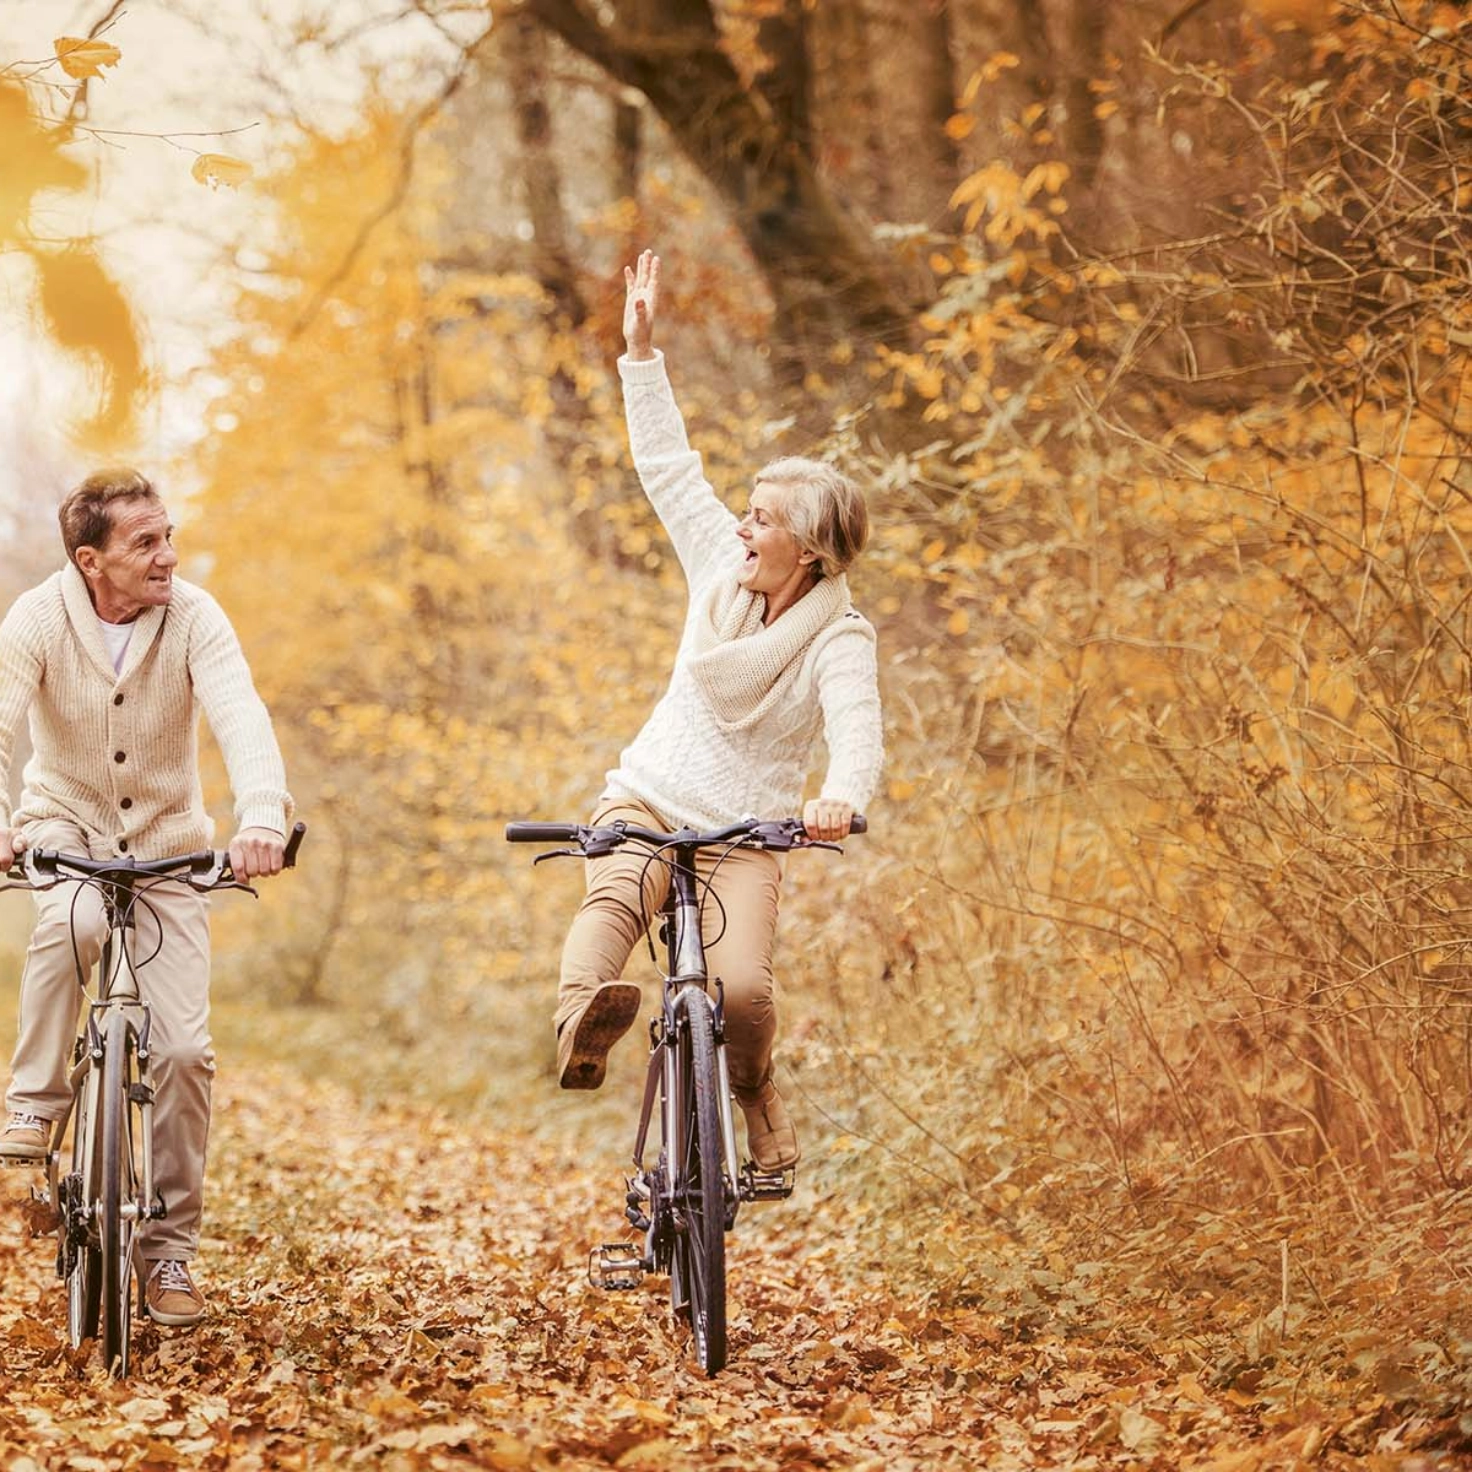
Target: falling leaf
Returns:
[82, 58]
[216, 169]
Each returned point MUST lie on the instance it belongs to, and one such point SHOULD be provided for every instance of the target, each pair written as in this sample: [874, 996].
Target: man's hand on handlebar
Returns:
[12, 845]
[827, 820]
[257, 852]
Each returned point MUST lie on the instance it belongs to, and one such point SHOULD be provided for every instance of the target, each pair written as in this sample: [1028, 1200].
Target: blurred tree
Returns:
[81, 306]
[748, 133]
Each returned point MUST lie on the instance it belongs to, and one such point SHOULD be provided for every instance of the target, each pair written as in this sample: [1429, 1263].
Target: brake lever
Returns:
[210, 883]
[557, 853]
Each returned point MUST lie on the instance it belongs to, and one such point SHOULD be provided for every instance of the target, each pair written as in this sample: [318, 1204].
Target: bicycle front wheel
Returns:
[698, 1277]
[118, 1204]
[79, 1259]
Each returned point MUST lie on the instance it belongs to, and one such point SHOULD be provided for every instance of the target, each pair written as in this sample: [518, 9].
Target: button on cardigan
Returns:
[117, 752]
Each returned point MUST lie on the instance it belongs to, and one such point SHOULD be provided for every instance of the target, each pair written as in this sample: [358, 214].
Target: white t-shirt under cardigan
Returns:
[734, 733]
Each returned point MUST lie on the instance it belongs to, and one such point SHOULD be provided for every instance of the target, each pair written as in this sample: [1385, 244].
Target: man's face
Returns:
[134, 568]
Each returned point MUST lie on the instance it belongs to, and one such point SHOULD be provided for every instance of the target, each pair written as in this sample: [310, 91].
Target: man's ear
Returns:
[87, 561]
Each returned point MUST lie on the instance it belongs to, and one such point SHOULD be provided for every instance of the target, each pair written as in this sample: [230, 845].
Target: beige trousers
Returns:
[738, 934]
[173, 978]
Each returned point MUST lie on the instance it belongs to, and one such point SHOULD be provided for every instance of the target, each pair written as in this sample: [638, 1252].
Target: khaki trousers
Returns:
[173, 978]
[738, 934]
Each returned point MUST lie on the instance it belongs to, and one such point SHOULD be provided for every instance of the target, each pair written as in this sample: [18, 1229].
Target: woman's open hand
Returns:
[641, 299]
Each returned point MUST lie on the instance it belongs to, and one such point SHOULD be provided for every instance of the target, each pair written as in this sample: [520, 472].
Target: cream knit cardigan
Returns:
[715, 750]
[117, 752]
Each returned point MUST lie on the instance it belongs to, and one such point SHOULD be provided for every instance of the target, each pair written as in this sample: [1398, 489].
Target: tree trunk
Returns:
[827, 279]
[937, 83]
[541, 176]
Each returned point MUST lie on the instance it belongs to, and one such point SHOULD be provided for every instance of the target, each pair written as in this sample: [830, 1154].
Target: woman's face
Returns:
[775, 563]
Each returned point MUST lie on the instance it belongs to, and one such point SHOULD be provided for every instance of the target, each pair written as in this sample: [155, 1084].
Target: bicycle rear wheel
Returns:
[118, 1196]
[698, 1272]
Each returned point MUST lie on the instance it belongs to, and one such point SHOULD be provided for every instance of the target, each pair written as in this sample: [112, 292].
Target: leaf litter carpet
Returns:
[399, 1289]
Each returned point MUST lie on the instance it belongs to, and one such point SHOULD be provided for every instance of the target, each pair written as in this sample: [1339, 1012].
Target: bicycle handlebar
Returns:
[204, 869]
[778, 834]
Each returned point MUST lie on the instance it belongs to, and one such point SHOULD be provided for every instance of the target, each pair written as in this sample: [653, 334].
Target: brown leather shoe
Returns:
[586, 1037]
[770, 1136]
[25, 1137]
[170, 1296]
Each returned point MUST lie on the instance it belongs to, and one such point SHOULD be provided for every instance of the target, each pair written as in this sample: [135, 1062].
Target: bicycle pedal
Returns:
[40, 1216]
[766, 1185]
[616, 1266]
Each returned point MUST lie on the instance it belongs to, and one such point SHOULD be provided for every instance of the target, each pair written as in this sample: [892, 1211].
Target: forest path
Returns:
[396, 1289]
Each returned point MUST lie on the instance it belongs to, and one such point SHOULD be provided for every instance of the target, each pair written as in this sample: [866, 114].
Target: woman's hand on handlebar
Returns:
[256, 852]
[826, 819]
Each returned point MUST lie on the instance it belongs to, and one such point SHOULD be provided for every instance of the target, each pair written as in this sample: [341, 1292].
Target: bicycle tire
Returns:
[117, 1225]
[79, 1251]
[699, 1278]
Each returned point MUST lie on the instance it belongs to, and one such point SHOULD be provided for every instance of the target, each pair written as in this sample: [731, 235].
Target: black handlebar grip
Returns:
[858, 824]
[293, 844]
[541, 832]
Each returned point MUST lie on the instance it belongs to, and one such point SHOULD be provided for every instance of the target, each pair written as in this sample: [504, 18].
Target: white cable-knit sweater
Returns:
[118, 752]
[697, 761]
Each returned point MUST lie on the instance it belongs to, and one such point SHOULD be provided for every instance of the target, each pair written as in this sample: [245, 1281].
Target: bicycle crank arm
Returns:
[615, 1266]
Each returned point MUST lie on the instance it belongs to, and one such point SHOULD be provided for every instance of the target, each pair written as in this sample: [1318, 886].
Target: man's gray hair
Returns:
[86, 514]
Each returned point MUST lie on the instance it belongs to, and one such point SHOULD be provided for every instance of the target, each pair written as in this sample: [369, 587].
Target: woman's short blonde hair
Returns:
[822, 508]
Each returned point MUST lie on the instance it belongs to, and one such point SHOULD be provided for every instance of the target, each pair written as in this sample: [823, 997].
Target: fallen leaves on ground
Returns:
[400, 1289]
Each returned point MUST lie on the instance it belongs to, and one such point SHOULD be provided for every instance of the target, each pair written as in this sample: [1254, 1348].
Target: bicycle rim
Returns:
[118, 1197]
[81, 1258]
[701, 1192]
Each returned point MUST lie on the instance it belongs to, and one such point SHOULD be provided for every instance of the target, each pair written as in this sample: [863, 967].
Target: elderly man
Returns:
[113, 657]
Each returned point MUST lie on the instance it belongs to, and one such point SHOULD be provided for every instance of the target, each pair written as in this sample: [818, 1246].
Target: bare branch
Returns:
[418, 121]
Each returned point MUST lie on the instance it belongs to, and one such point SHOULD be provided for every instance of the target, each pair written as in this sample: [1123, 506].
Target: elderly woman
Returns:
[772, 653]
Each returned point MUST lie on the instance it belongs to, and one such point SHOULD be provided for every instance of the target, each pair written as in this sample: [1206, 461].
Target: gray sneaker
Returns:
[25, 1137]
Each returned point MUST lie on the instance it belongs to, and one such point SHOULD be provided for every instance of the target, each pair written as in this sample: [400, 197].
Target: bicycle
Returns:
[98, 1205]
[686, 1202]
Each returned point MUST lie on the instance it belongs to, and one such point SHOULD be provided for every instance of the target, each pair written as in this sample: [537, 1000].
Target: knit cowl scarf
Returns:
[742, 667]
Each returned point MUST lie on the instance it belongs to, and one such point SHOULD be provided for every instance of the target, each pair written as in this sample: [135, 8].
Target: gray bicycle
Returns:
[98, 1203]
[686, 1200]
